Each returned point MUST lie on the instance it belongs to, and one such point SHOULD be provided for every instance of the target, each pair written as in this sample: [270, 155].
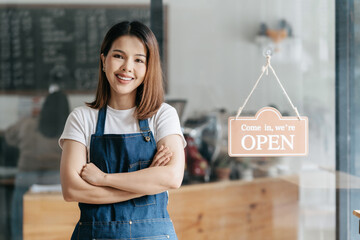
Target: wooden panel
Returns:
[48, 216]
[261, 209]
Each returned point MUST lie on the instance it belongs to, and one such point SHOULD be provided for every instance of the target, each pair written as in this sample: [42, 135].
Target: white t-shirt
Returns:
[81, 123]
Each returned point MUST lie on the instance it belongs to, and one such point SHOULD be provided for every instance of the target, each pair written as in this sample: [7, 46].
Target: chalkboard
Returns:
[41, 45]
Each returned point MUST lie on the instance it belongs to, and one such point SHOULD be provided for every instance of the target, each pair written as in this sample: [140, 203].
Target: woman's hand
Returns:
[162, 157]
[92, 174]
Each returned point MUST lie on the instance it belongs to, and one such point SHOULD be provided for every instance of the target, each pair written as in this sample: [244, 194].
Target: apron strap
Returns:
[145, 130]
[144, 125]
[100, 125]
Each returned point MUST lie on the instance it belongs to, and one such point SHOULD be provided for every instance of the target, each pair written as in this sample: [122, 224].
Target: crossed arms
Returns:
[86, 183]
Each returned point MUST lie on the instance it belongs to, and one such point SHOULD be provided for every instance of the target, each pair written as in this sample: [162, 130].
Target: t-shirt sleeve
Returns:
[74, 128]
[167, 123]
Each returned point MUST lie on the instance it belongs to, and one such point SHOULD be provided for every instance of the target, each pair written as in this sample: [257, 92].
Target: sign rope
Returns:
[266, 69]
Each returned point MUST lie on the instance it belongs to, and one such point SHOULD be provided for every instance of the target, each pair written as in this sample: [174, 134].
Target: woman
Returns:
[39, 160]
[124, 150]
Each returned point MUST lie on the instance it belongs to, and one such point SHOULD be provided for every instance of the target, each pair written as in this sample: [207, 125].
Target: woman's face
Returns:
[125, 67]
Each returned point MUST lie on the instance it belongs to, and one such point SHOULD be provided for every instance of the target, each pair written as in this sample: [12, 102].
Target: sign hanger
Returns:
[267, 54]
[268, 133]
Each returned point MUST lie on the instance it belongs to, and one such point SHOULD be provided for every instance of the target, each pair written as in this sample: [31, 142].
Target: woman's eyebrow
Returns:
[140, 55]
[121, 51]
[118, 50]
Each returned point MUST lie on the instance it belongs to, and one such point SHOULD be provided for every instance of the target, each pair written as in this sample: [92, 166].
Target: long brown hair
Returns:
[150, 94]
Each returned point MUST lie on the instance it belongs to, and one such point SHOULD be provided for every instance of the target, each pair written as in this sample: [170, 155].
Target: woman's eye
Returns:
[118, 56]
[139, 60]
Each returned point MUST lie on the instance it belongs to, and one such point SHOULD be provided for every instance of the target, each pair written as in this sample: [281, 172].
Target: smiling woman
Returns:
[152, 86]
[134, 141]
[125, 70]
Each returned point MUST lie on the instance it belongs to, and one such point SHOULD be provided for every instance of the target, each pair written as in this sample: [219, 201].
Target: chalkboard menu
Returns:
[42, 45]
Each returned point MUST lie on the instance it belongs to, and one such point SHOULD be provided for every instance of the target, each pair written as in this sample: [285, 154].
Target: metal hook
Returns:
[268, 51]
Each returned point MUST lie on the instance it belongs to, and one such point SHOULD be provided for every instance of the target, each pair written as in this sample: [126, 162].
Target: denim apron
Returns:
[142, 218]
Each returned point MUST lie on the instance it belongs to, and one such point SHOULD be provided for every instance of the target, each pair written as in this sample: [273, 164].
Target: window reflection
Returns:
[36, 137]
[214, 52]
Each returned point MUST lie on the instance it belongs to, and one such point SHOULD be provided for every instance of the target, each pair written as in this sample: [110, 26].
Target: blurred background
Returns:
[212, 53]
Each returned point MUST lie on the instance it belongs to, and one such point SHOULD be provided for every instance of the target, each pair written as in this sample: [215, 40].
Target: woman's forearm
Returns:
[154, 179]
[76, 189]
[97, 195]
[146, 181]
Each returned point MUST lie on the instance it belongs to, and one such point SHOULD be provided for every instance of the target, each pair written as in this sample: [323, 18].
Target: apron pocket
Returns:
[162, 237]
[115, 230]
[144, 201]
[136, 166]
[146, 229]
[82, 231]
[153, 229]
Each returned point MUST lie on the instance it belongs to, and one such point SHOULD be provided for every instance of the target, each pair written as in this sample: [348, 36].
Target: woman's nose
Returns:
[127, 66]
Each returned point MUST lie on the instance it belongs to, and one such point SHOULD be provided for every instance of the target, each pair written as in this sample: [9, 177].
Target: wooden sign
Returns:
[268, 134]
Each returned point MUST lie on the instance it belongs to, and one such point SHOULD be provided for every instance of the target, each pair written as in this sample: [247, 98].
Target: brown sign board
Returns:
[268, 134]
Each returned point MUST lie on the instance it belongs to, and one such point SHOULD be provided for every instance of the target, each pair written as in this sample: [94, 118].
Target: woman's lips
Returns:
[124, 79]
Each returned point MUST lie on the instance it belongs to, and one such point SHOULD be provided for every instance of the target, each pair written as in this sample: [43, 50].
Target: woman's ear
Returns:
[103, 61]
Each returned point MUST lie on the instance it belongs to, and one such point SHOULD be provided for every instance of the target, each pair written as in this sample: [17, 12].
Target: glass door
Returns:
[347, 118]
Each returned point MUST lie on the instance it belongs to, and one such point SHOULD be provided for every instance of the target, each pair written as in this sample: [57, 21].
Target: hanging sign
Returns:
[268, 134]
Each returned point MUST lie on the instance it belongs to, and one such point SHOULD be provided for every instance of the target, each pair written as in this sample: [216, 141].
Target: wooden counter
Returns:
[264, 208]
